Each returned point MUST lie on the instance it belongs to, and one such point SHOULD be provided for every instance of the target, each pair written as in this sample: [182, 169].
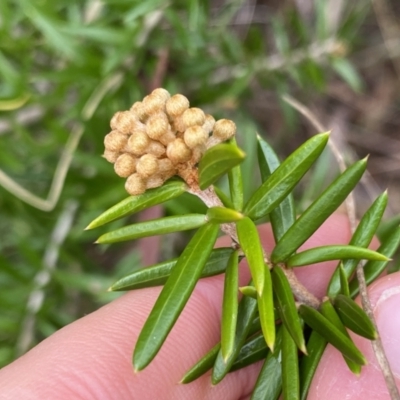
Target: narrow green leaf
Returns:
[283, 216]
[222, 215]
[174, 295]
[285, 177]
[249, 291]
[226, 201]
[344, 283]
[362, 237]
[246, 314]
[266, 310]
[373, 269]
[308, 365]
[255, 349]
[207, 362]
[287, 307]
[250, 243]
[202, 366]
[329, 312]
[154, 227]
[157, 275]
[135, 204]
[230, 306]
[290, 367]
[236, 185]
[269, 381]
[318, 212]
[324, 327]
[217, 161]
[354, 317]
[333, 252]
[349, 74]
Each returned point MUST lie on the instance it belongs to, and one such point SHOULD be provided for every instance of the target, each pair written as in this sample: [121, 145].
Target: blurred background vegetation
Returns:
[67, 66]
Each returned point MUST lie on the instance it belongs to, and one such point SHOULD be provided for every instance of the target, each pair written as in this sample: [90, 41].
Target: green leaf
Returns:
[285, 177]
[269, 381]
[236, 185]
[287, 307]
[158, 274]
[316, 346]
[255, 349]
[333, 252]
[133, 204]
[329, 312]
[290, 367]
[246, 314]
[314, 216]
[266, 310]
[349, 74]
[174, 295]
[249, 291]
[217, 161]
[230, 306]
[362, 237]
[202, 366]
[354, 317]
[226, 201]
[373, 269]
[222, 215]
[250, 243]
[344, 283]
[154, 227]
[283, 216]
[324, 327]
[206, 362]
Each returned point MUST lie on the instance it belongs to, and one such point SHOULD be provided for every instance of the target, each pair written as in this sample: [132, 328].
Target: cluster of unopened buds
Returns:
[160, 137]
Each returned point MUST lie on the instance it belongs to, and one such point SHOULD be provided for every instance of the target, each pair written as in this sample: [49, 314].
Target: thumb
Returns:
[334, 377]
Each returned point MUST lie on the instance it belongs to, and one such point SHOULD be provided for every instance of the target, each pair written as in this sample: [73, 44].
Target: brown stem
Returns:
[300, 292]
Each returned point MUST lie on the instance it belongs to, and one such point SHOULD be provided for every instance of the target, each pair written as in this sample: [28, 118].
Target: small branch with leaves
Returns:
[165, 148]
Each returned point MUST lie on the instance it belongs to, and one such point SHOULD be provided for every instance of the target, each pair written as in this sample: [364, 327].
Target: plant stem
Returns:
[210, 199]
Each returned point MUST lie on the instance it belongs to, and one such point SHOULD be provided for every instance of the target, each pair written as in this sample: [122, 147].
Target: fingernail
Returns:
[387, 314]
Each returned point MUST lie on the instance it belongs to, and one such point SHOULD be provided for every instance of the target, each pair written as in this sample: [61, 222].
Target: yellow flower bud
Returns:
[162, 93]
[167, 138]
[178, 152]
[138, 143]
[157, 126]
[195, 136]
[193, 116]
[176, 105]
[138, 110]
[135, 185]
[115, 141]
[224, 129]
[154, 181]
[208, 125]
[153, 104]
[111, 156]
[147, 165]
[165, 167]
[125, 122]
[125, 165]
[155, 148]
[177, 124]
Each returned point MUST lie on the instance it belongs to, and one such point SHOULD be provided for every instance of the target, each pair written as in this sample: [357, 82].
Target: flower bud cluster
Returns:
[159, 137]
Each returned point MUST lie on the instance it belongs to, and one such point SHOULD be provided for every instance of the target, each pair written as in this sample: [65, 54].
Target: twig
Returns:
[365, 301]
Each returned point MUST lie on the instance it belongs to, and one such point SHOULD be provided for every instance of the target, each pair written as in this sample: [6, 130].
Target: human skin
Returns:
[91, 358]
